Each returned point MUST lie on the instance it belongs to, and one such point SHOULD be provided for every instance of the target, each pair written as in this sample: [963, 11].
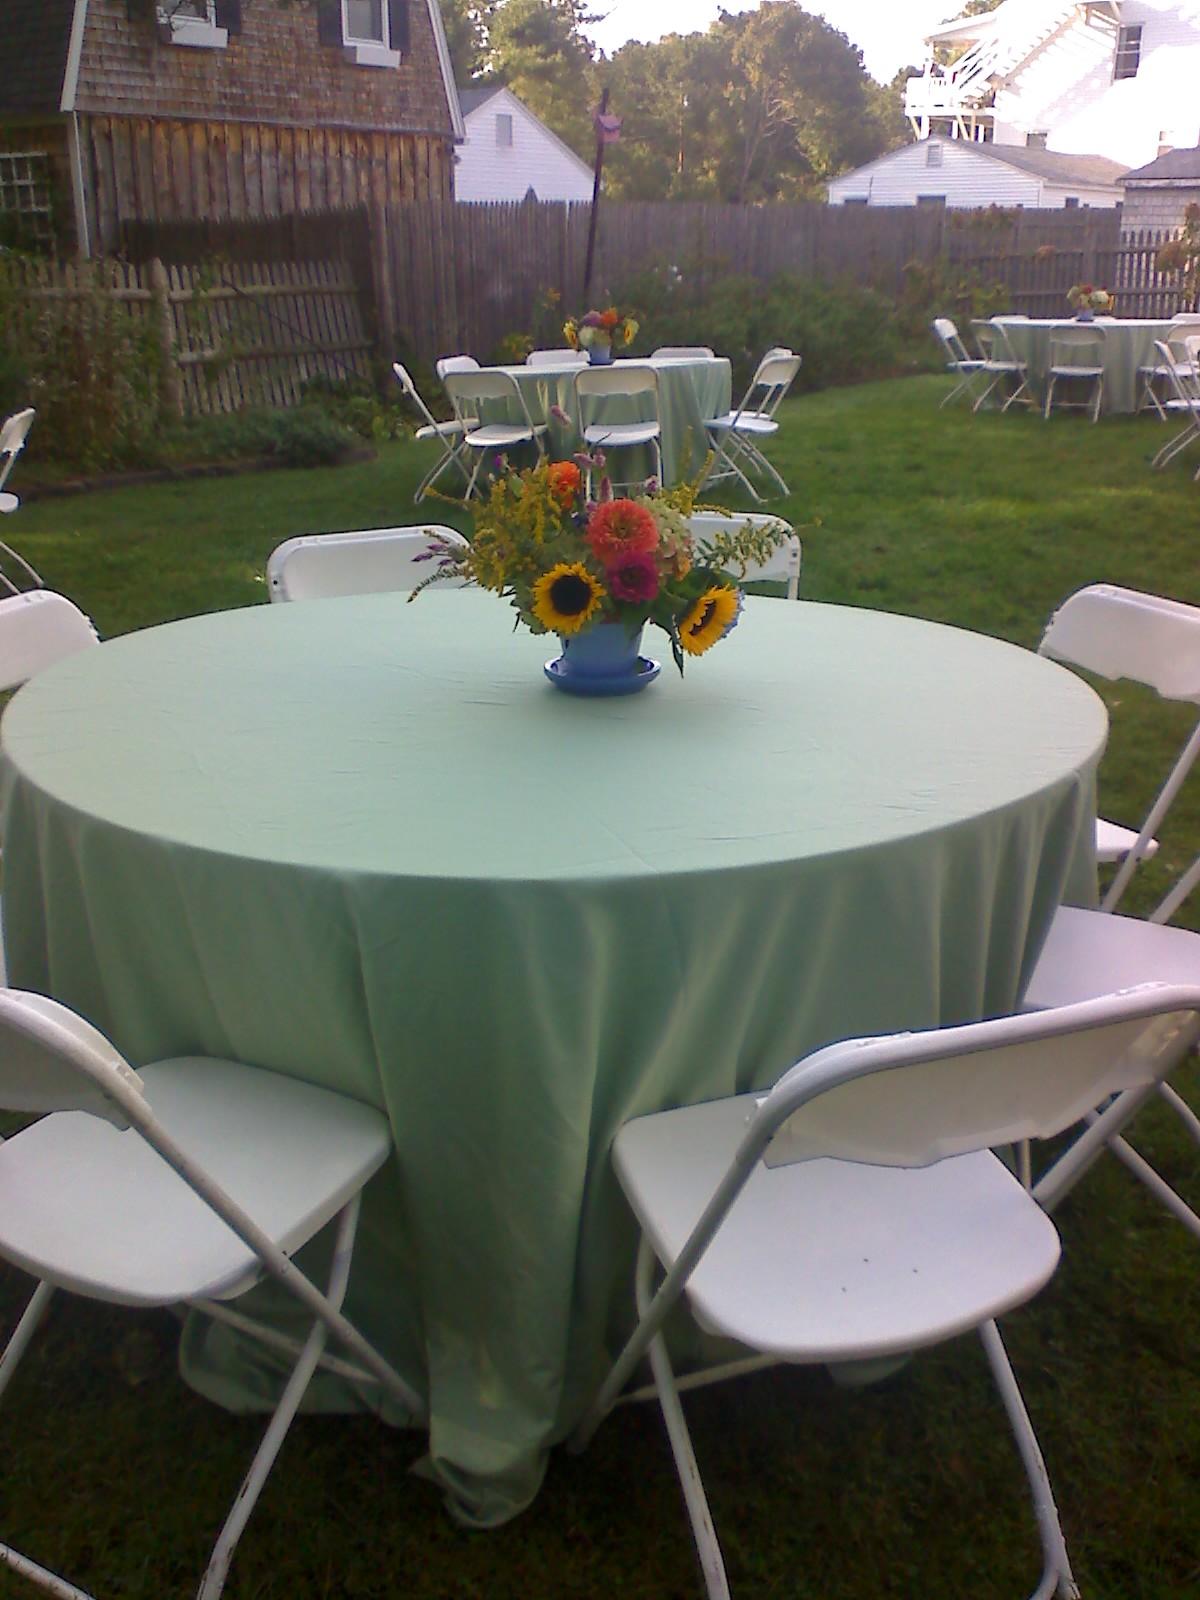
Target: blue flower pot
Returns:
[600, 355]
[602, 660]
[1085, 316]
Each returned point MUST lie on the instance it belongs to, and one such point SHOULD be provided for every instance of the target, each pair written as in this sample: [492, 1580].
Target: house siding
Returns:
[967, 178]
[274, 71]
[1066, 88]
[487, 170]
[1158, 207]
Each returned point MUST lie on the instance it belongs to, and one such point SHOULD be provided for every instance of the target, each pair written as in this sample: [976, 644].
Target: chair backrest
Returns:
[1185, 382]
[52, 1060]
[910, 1100]
[1122, 633]
[404, 378]
[770, 384]
[373, 561]
[13, 433]
[447, 364]
[698, 351]
[1186, 318]
[555, 358]
[1081, 346]
[36, 630]
[782, 566]
[986, 334]
[469, 389]
[948, 337]
[616, 380]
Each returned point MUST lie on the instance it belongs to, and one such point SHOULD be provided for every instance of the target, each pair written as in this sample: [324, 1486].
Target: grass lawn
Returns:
[115, 1474]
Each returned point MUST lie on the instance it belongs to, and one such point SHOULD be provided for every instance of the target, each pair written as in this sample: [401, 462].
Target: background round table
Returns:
[1128, 345]
[690, 389]
[365, 843]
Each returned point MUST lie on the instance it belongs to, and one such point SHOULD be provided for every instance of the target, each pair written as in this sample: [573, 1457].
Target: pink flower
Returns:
[619, 528]
[633, 578]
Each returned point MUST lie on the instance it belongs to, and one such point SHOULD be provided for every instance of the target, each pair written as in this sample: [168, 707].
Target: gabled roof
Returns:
[33, 56]
[1176, 164]
[1085, 172]
[471, 99]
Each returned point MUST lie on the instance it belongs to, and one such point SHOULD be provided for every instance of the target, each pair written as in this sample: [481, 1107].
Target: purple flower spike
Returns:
[606, 489]
[598, 460]
[560, 416]
[651, 485]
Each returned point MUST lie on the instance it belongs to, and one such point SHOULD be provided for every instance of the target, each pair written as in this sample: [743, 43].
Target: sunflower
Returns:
[709, 618]
[566, 598]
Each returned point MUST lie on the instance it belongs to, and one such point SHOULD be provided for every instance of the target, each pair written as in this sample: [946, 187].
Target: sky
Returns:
[888, 32]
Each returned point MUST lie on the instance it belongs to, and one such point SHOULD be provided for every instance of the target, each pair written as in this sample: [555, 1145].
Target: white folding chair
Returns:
[1091, 953]
[448, 434]
[470, 392]
[733, 435]
[320, 566]
[183, 1184]
[13, 434]
[783, 566]
[447, 364]
[556, 358]
[681, 352]
[959, 360]
[1001, 364]
[1184, 400]
[858, 1212]
[1120, 633]
[595, 390]
[1076, 358]
[1157, 374]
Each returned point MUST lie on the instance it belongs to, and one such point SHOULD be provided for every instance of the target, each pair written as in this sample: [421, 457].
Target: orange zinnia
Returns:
[619, 528]
[609, 318]
[564, 479]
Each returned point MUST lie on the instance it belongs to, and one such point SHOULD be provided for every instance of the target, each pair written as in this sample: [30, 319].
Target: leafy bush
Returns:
[88, 363]
[304, 437]
[356, 404]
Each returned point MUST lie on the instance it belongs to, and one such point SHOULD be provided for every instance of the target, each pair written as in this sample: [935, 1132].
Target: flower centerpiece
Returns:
[1085, 300]
[596, 572]
[600, 333]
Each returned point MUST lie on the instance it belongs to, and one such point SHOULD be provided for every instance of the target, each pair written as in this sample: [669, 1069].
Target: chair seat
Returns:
[1113, 842]
[96, 1210]
[616, 434]
[1002, 366]
[1077, 372]
[747, 422]
[1092, 953]
[445, 430]
[965, 366]
[832, 1260]
[494, 434]
[8, 502]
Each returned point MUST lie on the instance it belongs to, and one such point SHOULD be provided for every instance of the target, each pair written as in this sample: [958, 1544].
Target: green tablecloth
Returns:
[1128, 345]
[364, 842]
[689, 391]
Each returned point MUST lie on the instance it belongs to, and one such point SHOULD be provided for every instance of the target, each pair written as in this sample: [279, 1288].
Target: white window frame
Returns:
[370, 52]
[1128, 52]
[200, 33]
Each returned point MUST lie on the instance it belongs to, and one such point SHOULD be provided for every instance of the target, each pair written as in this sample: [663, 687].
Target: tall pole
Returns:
[601, 141]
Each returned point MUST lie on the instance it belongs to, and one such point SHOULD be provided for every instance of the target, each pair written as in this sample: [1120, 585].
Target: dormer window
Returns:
[1129, 52]
[933, 155]
[375, 32]
[198, 23]
[504, 129]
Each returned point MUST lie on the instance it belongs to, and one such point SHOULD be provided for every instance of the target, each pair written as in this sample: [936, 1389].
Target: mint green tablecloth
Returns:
[1128, 345]
[365, 843]
[688, 392]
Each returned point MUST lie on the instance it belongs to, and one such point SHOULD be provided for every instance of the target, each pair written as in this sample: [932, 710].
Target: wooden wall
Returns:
[143, 169]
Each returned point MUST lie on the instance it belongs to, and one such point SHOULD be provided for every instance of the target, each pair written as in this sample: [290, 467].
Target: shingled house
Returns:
[115, 110]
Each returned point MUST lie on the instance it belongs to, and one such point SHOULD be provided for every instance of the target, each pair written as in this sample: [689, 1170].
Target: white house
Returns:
[1118, 78]
[961, 172]
[508, 154]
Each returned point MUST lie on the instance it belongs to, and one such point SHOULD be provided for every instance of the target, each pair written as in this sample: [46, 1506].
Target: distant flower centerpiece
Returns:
[1085, 300]
[600, 333]
[596, 572]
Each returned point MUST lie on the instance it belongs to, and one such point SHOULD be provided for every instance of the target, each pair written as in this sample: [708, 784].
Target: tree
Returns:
[466, 25]
[538, 48]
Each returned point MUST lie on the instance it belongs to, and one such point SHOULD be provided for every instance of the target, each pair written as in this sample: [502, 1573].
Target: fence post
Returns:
[170, 385]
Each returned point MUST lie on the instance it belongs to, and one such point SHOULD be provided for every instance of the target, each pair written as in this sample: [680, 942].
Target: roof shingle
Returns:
[33, 56]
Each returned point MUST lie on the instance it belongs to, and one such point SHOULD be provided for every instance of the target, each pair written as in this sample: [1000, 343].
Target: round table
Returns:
[690, 390]
[1128, 345]
[364, 842]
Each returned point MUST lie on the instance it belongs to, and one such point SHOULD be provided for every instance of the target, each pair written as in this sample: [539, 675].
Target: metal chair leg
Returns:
[1056, 1568]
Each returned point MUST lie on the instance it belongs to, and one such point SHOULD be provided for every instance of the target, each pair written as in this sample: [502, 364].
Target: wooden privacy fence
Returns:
[461, 277]
[228, 335]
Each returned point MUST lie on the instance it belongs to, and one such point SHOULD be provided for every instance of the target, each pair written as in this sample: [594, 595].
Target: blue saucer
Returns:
[619, 683]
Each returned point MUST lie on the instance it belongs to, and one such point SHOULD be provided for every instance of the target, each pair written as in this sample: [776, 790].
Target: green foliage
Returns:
[89, 364]
[355, 404]
[1182, 255]
[939, 288]
[305, 437]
